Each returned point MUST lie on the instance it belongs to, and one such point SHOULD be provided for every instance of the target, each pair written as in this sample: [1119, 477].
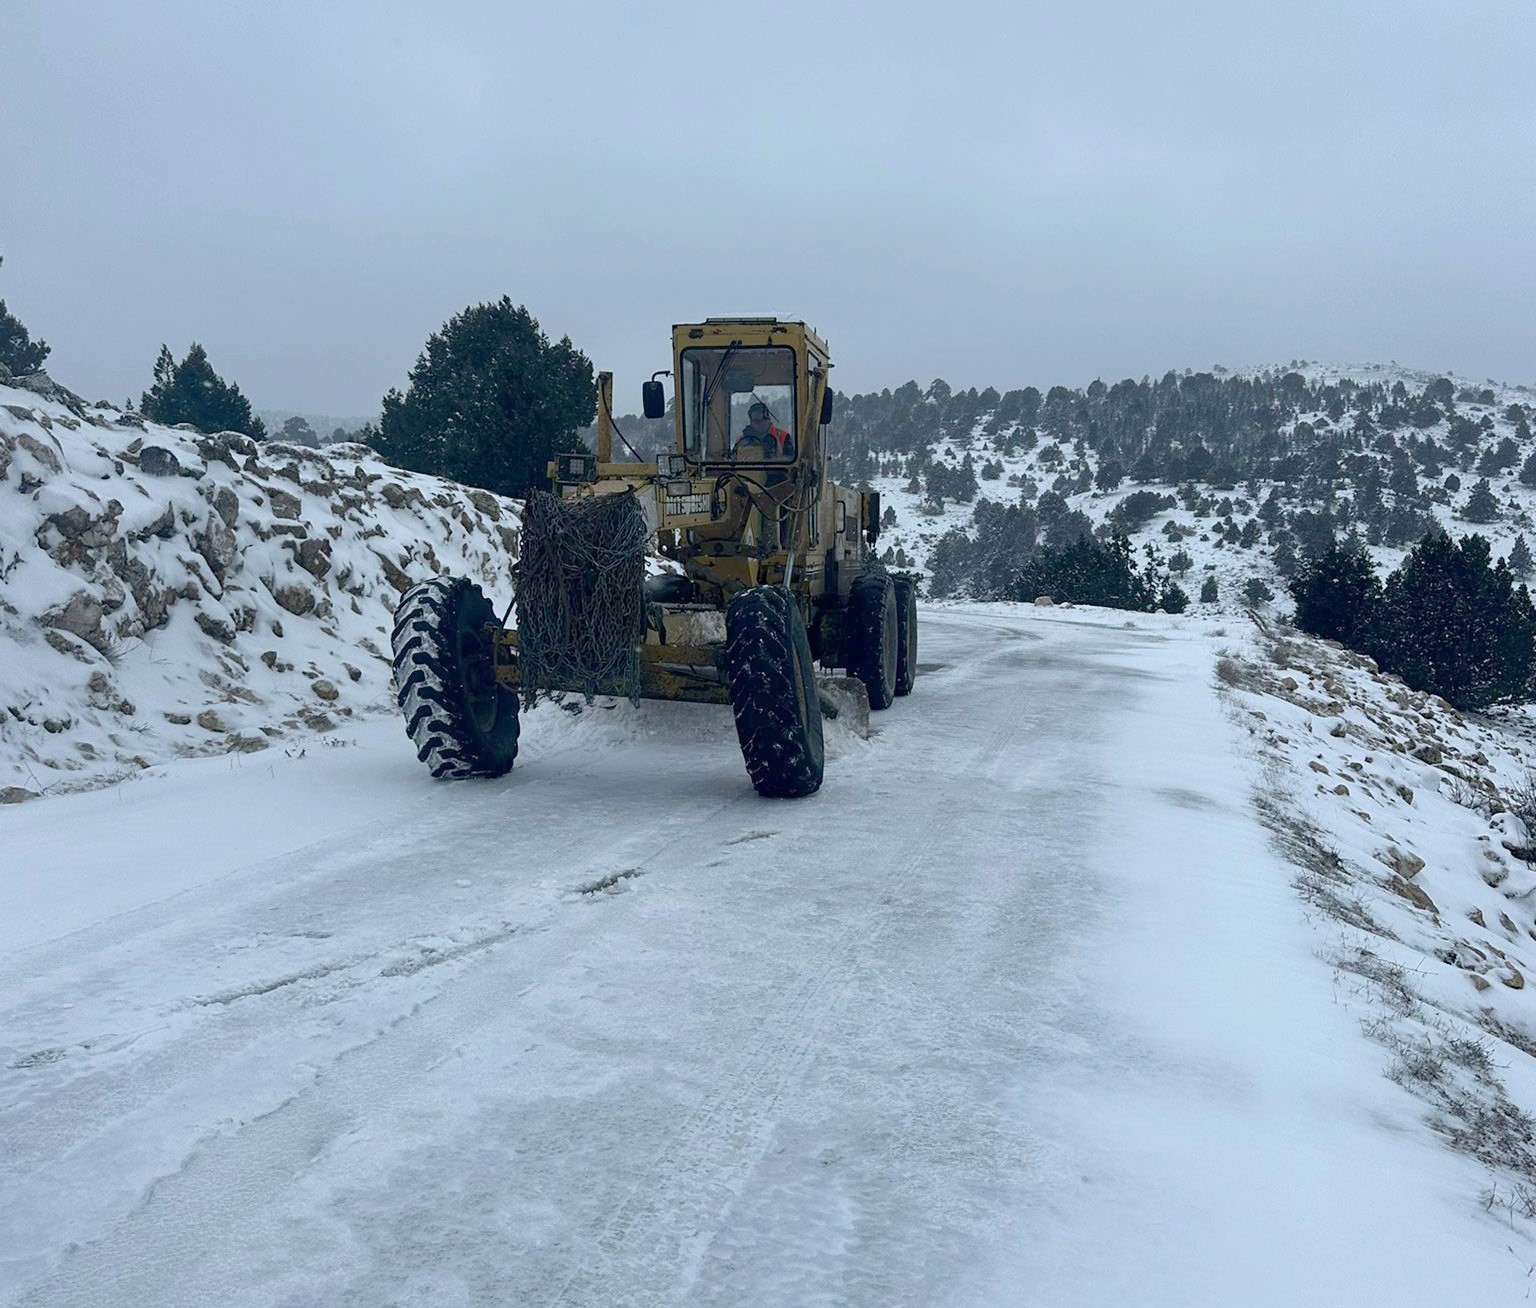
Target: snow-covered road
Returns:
[1019, 1009]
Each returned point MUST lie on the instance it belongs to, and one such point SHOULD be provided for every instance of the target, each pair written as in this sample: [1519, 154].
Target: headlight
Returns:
[677, 489]
[671, 465]
[572, 468]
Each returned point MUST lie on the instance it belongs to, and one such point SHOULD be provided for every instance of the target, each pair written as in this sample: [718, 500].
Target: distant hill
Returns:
[1226, 475]
[323, 425]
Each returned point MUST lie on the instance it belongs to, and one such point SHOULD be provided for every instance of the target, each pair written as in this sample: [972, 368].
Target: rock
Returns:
[211, 624]
[40, 383]
[246, 744]
[297, 600]
[226, 447]
[1317, 767]
[314, 556]
[326, 690]
[209, 720]
[179, 719]
[485, 503]
[217, 544]
[269, 657]
[1429, 752]
[164, 526]
[44, 454]
[158, 461]
[393, 494]
[1413, 894]
[1512, 977]
[1044, 601]
[355, 674]
[1512, 833]
[7, 446]
[15, 794]
[71, 524]
[392, 574]
[1341, 789]
[227, 503]
[284, 505]
[1402, 862]
[81, 616]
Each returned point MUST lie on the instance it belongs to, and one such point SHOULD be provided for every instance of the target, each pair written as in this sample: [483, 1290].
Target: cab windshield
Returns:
[739, 404]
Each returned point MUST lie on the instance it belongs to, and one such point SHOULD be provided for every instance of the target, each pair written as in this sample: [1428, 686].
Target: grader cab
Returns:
[724, 572]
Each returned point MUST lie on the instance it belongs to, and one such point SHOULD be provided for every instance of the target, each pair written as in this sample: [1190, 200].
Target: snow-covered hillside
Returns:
[1207, 532]
[165, 593]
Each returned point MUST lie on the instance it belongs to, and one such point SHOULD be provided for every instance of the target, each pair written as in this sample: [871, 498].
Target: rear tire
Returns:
[772, 681]
[870, 637]
[462, 723]
[906, 634]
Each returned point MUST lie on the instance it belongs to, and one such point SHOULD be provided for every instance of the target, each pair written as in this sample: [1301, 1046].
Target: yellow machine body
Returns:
[735, 504]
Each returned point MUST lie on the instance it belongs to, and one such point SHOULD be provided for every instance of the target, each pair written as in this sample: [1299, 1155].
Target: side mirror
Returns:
[653, 395]
[871, 516]
[826, 407]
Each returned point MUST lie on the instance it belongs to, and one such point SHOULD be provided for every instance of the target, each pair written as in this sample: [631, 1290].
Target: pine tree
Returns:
[490, 401]
[18, 351]
[191, 392]
[1481, 505]
[1455, 624]
[1520, 561]
[1208, 591]
[1256, 591]
[1336, 592]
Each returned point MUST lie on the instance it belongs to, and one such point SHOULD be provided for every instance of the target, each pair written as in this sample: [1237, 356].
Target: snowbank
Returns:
[166, 593]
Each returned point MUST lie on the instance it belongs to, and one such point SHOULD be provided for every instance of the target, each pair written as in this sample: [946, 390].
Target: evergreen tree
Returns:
[1520, 561]
[490, 401]
[191, 392]
[297, 431]
[1208, 590]
[18, 351]
[1481, 505]
[1455, 624]
[1336, 592]
[1528, 470]
[1089, 571]
[1257, 592]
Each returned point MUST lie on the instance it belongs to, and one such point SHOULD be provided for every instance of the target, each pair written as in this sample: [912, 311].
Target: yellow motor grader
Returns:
[759, 569]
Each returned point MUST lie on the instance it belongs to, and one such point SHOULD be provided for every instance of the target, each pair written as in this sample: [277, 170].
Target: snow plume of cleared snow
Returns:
[166, 593]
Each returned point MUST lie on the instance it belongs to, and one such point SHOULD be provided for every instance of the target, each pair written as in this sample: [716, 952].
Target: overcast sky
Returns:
[1000, 194]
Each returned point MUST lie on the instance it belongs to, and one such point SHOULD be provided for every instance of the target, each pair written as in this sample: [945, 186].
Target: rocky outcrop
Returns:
[167, 591]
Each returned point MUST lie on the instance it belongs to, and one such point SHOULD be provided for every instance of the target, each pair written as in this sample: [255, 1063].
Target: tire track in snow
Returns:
[653, 1245]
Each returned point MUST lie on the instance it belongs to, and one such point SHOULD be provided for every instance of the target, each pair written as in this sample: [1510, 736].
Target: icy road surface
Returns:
[1019, 1009]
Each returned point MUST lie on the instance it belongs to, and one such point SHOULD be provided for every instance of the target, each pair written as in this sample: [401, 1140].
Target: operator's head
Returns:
[757, 415]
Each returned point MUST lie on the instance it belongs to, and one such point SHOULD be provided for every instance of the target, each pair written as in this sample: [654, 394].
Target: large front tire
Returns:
[906, 634]
[870, 637]
[462, 723]
[772, 681]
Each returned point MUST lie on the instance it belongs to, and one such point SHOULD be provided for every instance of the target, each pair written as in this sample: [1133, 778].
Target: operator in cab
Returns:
[761, 434]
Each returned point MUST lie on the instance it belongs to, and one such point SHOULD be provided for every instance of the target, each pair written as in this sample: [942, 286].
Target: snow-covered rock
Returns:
[163, 592]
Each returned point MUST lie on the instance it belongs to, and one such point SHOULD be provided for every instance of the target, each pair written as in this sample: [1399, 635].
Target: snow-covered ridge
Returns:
[164, 593]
